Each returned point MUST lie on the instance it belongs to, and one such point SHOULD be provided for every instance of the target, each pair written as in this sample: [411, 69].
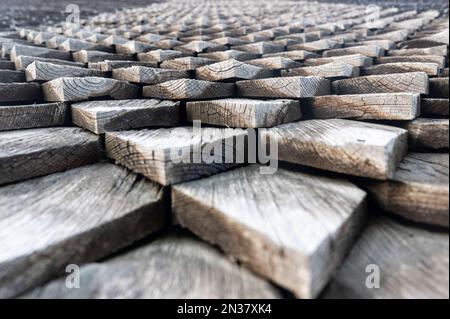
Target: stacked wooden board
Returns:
[231, 150]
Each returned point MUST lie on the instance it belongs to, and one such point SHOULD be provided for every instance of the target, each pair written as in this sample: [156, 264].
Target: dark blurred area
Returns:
[18, 13]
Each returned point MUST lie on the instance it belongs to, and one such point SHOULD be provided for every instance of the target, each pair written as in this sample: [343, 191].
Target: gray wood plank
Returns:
[414, 82]
[20, 92]
[334, 70]
[428, 133]
[413, 263]
[284, 87]
[381, 106]
[229, 54]
[371, 51]
[9, 76]
[431, 69]
[435, 50]
[36, 152]
[158, 56]
[7, 65]
[186, 63]
[119, 115]
[79, 89]
[170, 156]
[357, 60]
[440, 60]
[275, 63]
[22, 61]
[146, 75]
[189, 89]
[111, 65]
[231, 70]
[418, 190]
[13, 117]
[175, 266]
[296, 242]
[439, 87]
[320, 45]
[133, 47]
[84, 56]
[73, 45]
[349, 147]
[432, 106]
[260, 47]
[244, 113]
[296, 55]
[44, 71]
[41, 52]
[74, 217]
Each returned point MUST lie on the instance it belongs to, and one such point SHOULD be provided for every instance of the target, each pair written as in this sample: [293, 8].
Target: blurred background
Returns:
[19, 13]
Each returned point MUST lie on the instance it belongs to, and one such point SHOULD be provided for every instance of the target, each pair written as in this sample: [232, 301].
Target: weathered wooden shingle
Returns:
[74, 217]
[283, 238]
[350, 147]
[36, 152]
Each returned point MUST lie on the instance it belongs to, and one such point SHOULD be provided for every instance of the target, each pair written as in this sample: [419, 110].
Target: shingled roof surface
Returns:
[226, 149]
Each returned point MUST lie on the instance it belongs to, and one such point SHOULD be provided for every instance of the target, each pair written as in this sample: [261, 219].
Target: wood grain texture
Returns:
[414, 82]
[284, 87]
[36, 152]
[413, 263]
[6, 65]
[200, 46]
[320, 45]
[189, 89]
[430, 106]
[14, 117]
[343, 146]
[20, 92]
[371, 51]
[260, 47]
[334, 70]
[244, 113]
[296, 55]
[41, 52]
[385, 44]
[381, 106]
[229, 54]
[186, 63]
[23, 61]
[431, 69]
[119, 115]
[111, 65]
[73, 45]
[435, 50]
[133, 47]
[428, 133]
[170, 156]
[79, 89]
[296, 242]
[231, 70]
[357, 60]
[74, 217]
[439, 87]
[84, 56]
[418, 190]
[175, 266]
[146, 75]
[9, 76]
[158, 56]
[440, 60]
[44, 71]
[275, 63]
[396, 36]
